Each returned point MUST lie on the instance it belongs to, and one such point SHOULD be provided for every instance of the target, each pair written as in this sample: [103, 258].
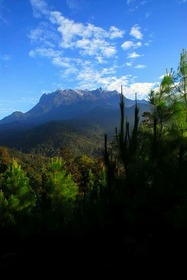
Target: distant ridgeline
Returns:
[62, 116]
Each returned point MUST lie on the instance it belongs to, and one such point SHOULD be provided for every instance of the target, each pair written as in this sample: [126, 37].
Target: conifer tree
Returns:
[15, 193]
[61, 192]
[182, 73]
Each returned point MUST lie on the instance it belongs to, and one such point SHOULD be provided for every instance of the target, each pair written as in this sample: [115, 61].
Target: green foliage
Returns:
[182, 70]
[16, 194]
[168, 117]
[60, 192]
[61, 182]
[4, 158]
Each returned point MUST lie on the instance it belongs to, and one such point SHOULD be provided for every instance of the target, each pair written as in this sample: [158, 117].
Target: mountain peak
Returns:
[68, 104]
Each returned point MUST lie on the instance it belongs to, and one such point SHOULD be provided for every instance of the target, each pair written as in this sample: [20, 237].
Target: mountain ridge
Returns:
[68, 104]
[76, 120]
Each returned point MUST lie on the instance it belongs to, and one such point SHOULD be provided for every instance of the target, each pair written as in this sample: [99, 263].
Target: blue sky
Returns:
[85, 44]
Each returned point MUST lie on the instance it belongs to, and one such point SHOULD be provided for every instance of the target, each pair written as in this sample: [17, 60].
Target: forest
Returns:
[102, 212]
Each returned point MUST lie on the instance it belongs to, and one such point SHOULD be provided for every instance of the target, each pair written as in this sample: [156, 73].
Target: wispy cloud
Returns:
[130, 44]
[135, 4]
[3, 19]
[40, 7]
[135, 32]
[141, 89]
[5, 57]
[45, 52]
[63, 33]
[44, 34]
[133, 55]
[76, 5]
[115, 32]
[72, 31]
[140, 66]
[83, 52]
[97, 47]
[73, 4]
[57, 58]
[89, 79]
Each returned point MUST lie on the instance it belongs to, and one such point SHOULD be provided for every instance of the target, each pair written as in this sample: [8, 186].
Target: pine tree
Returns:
[60, 192]
[16, 196]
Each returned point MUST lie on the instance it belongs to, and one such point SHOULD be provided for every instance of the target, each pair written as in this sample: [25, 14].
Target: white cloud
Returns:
[141, 89]
[69, 71]
[63, 33]
[57, 58]
[83, 43]
[36, 33]
[138, 44]
[130, 44]
[89, 78]
[44, 34]
[135, 32]
[133, 55]
[67, 28]
[115, 32]
[45, 52]
[40, 7]
[108, 51]
[161, 77]
[96, 47]
[148, 43]
[106, 82]
[135, 4]
[115, 83]
[71, 31]
[62, 62]
[127, 45]
[130, 88]
[100, 59]
[60, 39]
[90, 39]
[140, 66]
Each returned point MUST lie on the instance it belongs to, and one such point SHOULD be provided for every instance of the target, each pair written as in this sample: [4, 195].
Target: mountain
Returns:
[68, 104]
[77, 119]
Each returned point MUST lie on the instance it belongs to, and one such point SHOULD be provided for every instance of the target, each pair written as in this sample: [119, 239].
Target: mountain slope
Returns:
[49, 138]
[76, 120]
